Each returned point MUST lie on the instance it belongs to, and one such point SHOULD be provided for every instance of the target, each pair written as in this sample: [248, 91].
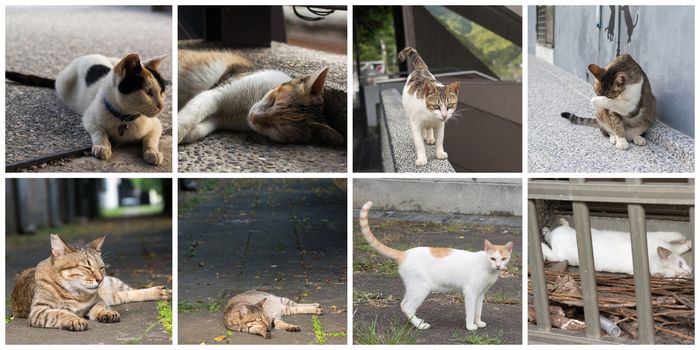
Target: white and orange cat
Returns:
[427, 269]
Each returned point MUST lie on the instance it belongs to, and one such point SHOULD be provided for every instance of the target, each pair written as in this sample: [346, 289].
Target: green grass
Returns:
[318, 330]
[502, 298]
[479, 339]
[135, 210]
[165, 314]
[211, 305]
[384, 266]
[337, 334]
[513, 264]
[9, 319]
[396, 333]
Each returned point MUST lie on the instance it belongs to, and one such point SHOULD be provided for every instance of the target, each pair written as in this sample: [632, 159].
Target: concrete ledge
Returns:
[455, 196]
[398, 152]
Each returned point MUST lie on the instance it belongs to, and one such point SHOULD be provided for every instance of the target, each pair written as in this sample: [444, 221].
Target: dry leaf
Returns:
[220, 338]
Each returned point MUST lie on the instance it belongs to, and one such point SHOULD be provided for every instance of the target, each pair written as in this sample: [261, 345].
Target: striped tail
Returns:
[411, 53]
[376, 244]
[574, 119]
[30, 80]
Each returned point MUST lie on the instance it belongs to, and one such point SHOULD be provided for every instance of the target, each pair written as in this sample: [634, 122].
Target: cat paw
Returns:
[441, 155]
[102, 152]
[599, 101]
[293, 329]
[108, 316]
[420, 161]
[430, 141]
[472, 327]
[622, 144]
[319, 309]
[612, 139]
[161, 293]
[639, 141]
[75, 324]
[153, 157]
[480, 324]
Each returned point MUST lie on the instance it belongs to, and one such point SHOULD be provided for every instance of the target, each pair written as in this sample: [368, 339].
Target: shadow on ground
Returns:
[286, 237]
[138, 252]
[378, 289]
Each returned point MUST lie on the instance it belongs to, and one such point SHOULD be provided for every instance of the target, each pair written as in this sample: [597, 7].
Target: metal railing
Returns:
[633, 192]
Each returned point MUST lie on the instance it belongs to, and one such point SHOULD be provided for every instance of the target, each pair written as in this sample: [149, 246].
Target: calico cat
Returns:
[72, 285]
[426, 269]
[257, 312]
[222, 91]
[118, 100]
[428, 105]
[625, 105]
[612, 250]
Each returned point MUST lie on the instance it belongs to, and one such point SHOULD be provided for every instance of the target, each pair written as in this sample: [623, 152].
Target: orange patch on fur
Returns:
[440, 252]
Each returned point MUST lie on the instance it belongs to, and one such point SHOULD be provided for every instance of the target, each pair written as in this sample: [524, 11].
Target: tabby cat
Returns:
[625, 105]
[428, 269]
[72, 285]
[223, 91]
[118, 100]
[257, 312]
[428, 105]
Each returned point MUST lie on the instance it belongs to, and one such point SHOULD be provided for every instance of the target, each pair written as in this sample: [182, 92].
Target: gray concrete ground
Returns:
[249, 152]
[555, 145]
[378, 290]
[398, 151]
[42, 41]
[286, 237]
[137, 251]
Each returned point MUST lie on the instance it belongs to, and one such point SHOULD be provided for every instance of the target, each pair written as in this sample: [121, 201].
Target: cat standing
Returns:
[625, 105]
[257, 312]
[427, 269]
[612, 250]
[428, 105]
[223, 91]
[117, 99]
[72, 284]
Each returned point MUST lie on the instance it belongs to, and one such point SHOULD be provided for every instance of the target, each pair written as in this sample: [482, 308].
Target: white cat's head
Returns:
[672, 264]
[499, 255]
[140, 88]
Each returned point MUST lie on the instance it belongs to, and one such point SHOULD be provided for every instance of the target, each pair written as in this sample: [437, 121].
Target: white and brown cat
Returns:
[118, 100]
[427, 269]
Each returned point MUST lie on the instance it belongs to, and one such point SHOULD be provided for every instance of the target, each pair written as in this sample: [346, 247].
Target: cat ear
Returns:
[663, 252]
[487, 245]
[509, 247]
[58, 247]
[454, 87]
[326, 135]
[97, 244]
[316, 80]
[261, 302]
[621, 78]
[243, 310]
[155, 61]
[428, 88]
[129, 63]
[597, 70]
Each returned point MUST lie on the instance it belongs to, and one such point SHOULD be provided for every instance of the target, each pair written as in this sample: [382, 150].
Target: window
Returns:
[545, 25]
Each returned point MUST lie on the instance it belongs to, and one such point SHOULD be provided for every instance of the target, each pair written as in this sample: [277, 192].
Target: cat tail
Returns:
[411, 53]
[574, 119]
[373, 241]
[30, 80]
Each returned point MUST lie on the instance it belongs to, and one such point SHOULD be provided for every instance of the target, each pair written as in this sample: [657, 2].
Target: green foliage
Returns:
[479, 339]
[318, 330]
[165, 315]
[395, 333]
[374, 25]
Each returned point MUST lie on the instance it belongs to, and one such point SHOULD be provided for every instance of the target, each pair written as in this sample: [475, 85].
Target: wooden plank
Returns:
[682, 194]
[584, 244]
[539, 284]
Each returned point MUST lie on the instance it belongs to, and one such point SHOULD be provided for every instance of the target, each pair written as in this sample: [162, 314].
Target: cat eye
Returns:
[451, 105]
[435, 106]
[503, 259]
[494, 259]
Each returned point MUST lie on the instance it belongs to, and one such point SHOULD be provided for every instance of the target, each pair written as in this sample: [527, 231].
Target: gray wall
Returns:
[531, 29]
[662, 42]
[462, 196]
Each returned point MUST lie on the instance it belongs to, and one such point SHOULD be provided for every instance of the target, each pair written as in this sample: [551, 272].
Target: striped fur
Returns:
[258, 312]
[70, 286]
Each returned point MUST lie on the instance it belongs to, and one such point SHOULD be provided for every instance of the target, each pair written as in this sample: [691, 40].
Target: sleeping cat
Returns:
[72, 285]
[257, 312]
[428, 105]
[118, 100]
[625, 105]
[222, 91]
[612, 250]
[426, 269]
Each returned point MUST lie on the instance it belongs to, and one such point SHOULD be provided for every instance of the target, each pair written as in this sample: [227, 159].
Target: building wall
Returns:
[662, 42]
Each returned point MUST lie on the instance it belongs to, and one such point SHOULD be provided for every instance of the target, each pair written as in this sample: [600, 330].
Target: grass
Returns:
[513, 265]
[318, 330]
[384, 266]
[502, 298]
[211, 305]
[477, 339]
[165, 314]
[135, 210]
[395, 333]
[9, 319]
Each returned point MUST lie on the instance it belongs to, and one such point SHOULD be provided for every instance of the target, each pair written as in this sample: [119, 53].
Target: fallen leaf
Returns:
[220, 338]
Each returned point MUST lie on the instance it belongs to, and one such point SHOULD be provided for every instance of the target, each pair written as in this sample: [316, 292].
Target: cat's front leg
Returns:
[151, 154]
[101, 313]
[46, 317]
[199, 108]
[279, 324]
[417, 132]
[440, 134]
[621, 107]
[479, 306]
[429, 136]
[101, 148]
[470, 309]
[618, 130]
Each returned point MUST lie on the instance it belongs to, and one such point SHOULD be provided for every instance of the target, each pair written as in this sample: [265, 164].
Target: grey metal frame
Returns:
[633, 192]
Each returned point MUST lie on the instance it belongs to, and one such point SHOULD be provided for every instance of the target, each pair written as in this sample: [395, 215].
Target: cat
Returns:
[70, 285]
[426, 269]
[428, 105]
[223, 91]
[625, 105]
[257, 312]
[117, 99]
[612, 250]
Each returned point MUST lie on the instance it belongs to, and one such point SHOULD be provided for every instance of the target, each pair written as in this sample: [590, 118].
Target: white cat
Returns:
[427, 269]
[612, 250]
